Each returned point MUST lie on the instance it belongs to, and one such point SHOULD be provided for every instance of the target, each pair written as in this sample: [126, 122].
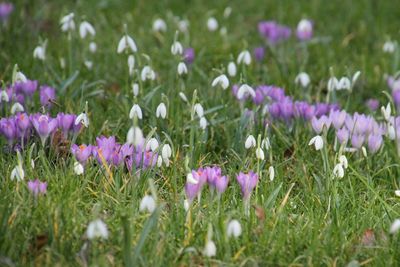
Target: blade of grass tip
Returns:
[273, 196]
[68, 82]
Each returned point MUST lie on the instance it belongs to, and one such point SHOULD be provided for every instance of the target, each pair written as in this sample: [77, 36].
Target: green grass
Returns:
[310, 219]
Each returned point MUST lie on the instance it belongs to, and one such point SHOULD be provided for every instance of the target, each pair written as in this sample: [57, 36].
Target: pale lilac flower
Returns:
[304, 30]
[37, 187]
[247, 183]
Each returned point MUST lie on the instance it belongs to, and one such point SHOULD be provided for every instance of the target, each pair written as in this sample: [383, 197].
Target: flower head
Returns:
[247, 183]
[37, 187]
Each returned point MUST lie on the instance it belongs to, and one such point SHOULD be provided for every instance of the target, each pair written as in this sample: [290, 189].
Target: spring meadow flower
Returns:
[389, 47]
[37, 187]
[395, 227]
[86, 28]
[317, 141]
[302, 79]
[304, 30]
[259, 53]
[222, 81]
[250, 142]
[6, 9]
[40, 52]
[147, 204]
[159, 25]
[97, 229]
[233, 229]
[147, 73]
[126, 43]
[161, 111]
[47, 95]
[176, 48]
[212, 24]
[135, 112]
[78, 168]
[232, 69]
[188, 55]
[67, 23]
[244, 57]
[247, 183]
[182, 68]
[271, 173]
[203, 123]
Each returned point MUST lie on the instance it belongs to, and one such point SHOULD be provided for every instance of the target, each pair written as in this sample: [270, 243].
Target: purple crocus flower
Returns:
[357, 140]
[188, 55]
[47, 95]
[65, 122]
[216, 180]
[373, 104]
[193, 189]
[5, 10]
[374, 143]
[37, 187]
[247, 183]
[273, 31]
[337, 117]
[259, 53]
[81, 153]
[22, 121]
[8, 129]
[44, 125]
[396, 97]
[342, 135]
[27, 88]
[104, 149]
[304, 30]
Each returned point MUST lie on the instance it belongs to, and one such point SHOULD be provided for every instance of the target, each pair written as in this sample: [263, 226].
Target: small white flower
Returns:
[389, 47]
[397, 193]
[126, 43]
[182, 69]
[190, 179]
[32, 163]
[332, 84]
[265, 143]
[18, 173]
[147, 204]
[234, 229]
[186, 204]
[166, 151]
[136, 111]
[227, 11]
[67, 23]
[260, 153]
[343, 161]
[159, 25]
[198, 108]
[16, 107]
[183, 25]
[147, 74]
[97, 229]
[135, 136]
[152, 144]
[212, 24]
[250, 142]
[304, 25]
[161, 111]
[344, 84]
[303, 79]
[82, 119]
[88, 64]
[210, 250]
[338, 171]
[135, 89]
[20, 77]
[203, 123]
[232, 69]
[78, 168]
[4, 96]
[386, 111]
[159, 161]
[317, 141]
[245, 89]
[183, 96]
[222, 81]
[40, 52]
[395, 227]
[131, 64]
[244, 57]
[92, 47]
[271, 172]
[391, 131]
[86, 28]
[176, 48]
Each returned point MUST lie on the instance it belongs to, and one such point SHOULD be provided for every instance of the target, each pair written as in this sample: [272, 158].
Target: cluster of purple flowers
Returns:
[22, 91]
[6, 9]
[211, 175]
[273, 31]
[37, 187]
[22, 126]
[107, 150]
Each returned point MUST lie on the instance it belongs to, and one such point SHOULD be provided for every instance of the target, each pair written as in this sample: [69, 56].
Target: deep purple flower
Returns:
[188, 55]
[8, 129]
[47, 95]
[259, 53]
[273, 31]
[373, 104]
[65, 122]
[37, 187]
[44, 125]
[304, 30]
[81, 153]
[247, 183]
[27, 88]
[5, 10]
[374, 142]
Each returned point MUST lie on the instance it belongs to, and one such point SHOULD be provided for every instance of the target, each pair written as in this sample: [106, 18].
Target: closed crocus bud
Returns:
[86, 28]
[232, 69]
[126, 43]
[203, 123]
[47, 95]
[260, 153]
[212, 24]
[188, 55]
[343, 135]
[159, 25]
[250, 142]
[147, 204]
[357, 140]
[161, 111]
[233, 229]
[182, 68]
[303, 79]
[176, 48]
[244, 57]
[222, 81]
[135, 111]
[374, 142]
[304, 30]
[317, 141]
[97, 229]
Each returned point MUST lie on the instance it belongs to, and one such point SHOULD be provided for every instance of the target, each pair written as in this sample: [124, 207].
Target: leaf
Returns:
[272, 197]
[64, 85]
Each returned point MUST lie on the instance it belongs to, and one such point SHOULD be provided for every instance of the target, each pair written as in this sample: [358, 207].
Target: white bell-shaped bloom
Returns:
[183, 25]
[161, 111]
[244, 57]
[203, 123]
[78, 168]
[245, 89]
[93, 47]
[147, 74]
[395, 227]
[4, 96]
[386, 112]
[266, 144]
[147, 204]
[212, 24]
[271, 172]
[250, 142]
[136, 111]
[233, 229]
[67, 23]
[190, 179]
[210, 250]
[302, 79]
[152, 144]
[18, 173]
[397, 193]
[20, 77]
[17, 107]
[86, 28]
[183, 96]
[166, 151]
[344, 84]
[338, 171]
[332, 84]
[260, 153]
[176, 48]
[97, 229]
[135, 89]
[126, 43]
[343, 161]
[198, 108]
[222, 81]
[88, 64]
[317, 141]
[182, 68]
[389, 47]
[232, 69]
[82, 119]
[159, 25]
[40, 52]
[131, 64]
[135, 136]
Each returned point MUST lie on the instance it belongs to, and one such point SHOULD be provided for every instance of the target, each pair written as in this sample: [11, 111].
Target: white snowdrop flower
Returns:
[386, 111]
[67, 23]
[332, 84]
[210, 250]
[126, 43]
[78, 168]
[190, 179]
[317, 141]
[355, 77]
[97, 229]
[135, 89]
[227, 11]
[305, 26]
[250, 142]
[395, 227]
[183, 25]
[389, 47]
[159, 161]
[198, 108]
[183, 96]
[182, 68]
[159, 25]
[18, 173]
[302, 79]
[391, 131]
[338, 171]
[147, 204]
[186, 204]
[397, 193]
[203, 123]
[4, 96]
[233, 229]
[82, 119]
[152, 144]
[260, 153]
[32, 163]
[161, 111]
[364, 151]
[62, 63]
[271, 172]
[244, 57]
[86, 28]
[147, 74]
[343, 161]
[135, 136]
[131, 64]
[16, 107]
[266, 144]
[344, 84]
[88, 64]
[176, 48]
[92, 47]
[212, 24]
[232, 69]
[223, 31]
[245, 89]
[20, 77]
[40, 52]
[136, 111]
[222, 81]
[166, 151]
